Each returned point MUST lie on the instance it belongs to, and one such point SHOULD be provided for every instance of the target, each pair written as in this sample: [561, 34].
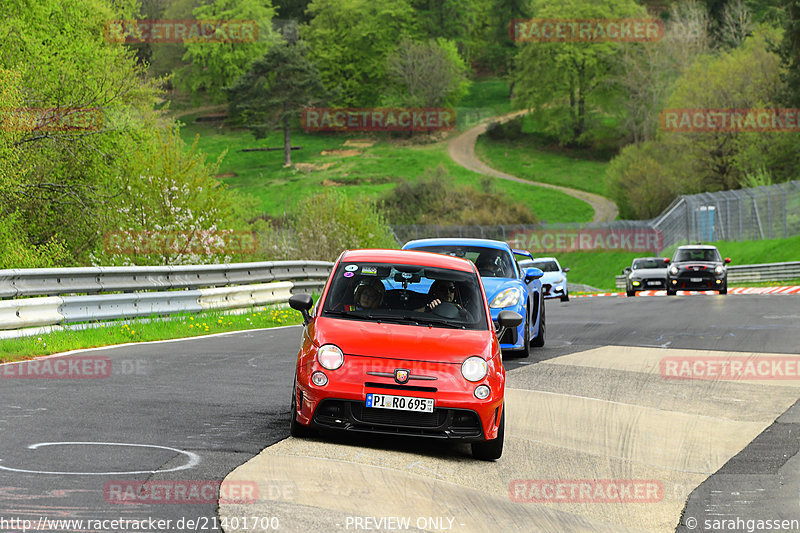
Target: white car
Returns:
[554, 280]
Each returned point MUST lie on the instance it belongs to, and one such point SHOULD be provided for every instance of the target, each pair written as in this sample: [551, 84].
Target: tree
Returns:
[790, 53]
[644, 178]
[737, 23]
[349, 42]
[74, 100]
[646, 71]
[214, 67]
[274, 90]
[427, 74]
[172, 209]
[80, 135]
[453, 20]
[747, 77]
[566, 83]
[500, 50]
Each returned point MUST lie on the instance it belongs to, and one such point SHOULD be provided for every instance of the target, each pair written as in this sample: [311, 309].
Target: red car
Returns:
[402, 343]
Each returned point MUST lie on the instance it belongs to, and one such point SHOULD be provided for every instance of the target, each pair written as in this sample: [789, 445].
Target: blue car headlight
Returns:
[506, 298]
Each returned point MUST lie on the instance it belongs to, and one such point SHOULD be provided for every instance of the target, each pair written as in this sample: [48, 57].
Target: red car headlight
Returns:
[474, 368]
[330, 357]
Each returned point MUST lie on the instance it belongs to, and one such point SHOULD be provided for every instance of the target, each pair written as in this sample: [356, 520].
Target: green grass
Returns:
[599, 269]
[486, 98]
[596, 269]
[157, 328]
[528, 161]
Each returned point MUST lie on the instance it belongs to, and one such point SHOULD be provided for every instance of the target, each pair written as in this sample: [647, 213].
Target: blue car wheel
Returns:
[538, 341]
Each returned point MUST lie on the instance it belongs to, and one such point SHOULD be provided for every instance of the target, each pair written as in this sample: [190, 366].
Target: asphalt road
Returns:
[221, 398]
[193, 410]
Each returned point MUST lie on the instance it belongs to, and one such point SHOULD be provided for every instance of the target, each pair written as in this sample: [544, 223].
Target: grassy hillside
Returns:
[536, 163]
[367, 165]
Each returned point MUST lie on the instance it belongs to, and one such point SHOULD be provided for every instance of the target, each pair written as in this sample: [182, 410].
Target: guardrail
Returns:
[51, 296]
[750, 273]
[16, 283]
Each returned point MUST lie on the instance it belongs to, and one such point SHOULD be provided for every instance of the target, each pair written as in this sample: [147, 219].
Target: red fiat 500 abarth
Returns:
[402, 343]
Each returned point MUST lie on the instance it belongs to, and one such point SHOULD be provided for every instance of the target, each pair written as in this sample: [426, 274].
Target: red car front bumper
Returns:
[457, 413]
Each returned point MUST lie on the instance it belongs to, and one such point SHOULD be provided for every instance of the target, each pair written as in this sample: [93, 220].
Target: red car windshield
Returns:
[407, 294]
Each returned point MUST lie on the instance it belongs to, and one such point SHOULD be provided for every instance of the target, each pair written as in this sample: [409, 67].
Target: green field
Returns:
[529, 161]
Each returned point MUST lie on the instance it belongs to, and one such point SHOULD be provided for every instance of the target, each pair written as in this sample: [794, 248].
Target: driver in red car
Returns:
[441, 291]
[368, 294]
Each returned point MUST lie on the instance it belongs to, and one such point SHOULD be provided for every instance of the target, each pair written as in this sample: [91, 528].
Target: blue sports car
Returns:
[507, 285]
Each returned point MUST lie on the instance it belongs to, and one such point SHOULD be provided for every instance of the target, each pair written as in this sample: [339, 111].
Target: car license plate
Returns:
[654, 283]
[401, 403]
[696, 280]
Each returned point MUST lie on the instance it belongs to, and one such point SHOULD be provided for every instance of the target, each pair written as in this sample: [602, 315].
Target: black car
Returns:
[646, 273]
[697, 267]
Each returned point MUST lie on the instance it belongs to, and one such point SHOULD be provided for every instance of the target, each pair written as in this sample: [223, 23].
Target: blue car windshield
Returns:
[382, 292]
[491, 262]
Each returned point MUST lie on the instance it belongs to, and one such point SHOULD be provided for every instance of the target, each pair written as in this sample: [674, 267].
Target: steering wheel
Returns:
[451, 310]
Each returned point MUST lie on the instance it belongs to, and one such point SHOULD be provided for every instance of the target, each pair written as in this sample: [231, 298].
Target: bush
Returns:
[17, 252]
[640, 182]
[324, 224]
[510, 130]
[172, 210]
[436, 200]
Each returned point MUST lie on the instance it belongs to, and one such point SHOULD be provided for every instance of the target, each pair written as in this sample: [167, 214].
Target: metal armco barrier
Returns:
[16, 314]
[746, 273]
[111, 306]
[16, 283]
[168, 290]
[245, 295]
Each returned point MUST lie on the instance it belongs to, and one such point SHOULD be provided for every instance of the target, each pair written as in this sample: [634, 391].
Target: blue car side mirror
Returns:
[532, 274]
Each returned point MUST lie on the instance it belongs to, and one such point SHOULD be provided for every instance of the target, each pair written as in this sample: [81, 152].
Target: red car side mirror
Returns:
[666, 260]
[727, 259]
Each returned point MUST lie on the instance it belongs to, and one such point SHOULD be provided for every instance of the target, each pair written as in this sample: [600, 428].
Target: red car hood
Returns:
[400, 341]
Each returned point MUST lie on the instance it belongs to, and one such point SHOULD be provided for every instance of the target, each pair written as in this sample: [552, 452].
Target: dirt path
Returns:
[462, 151]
